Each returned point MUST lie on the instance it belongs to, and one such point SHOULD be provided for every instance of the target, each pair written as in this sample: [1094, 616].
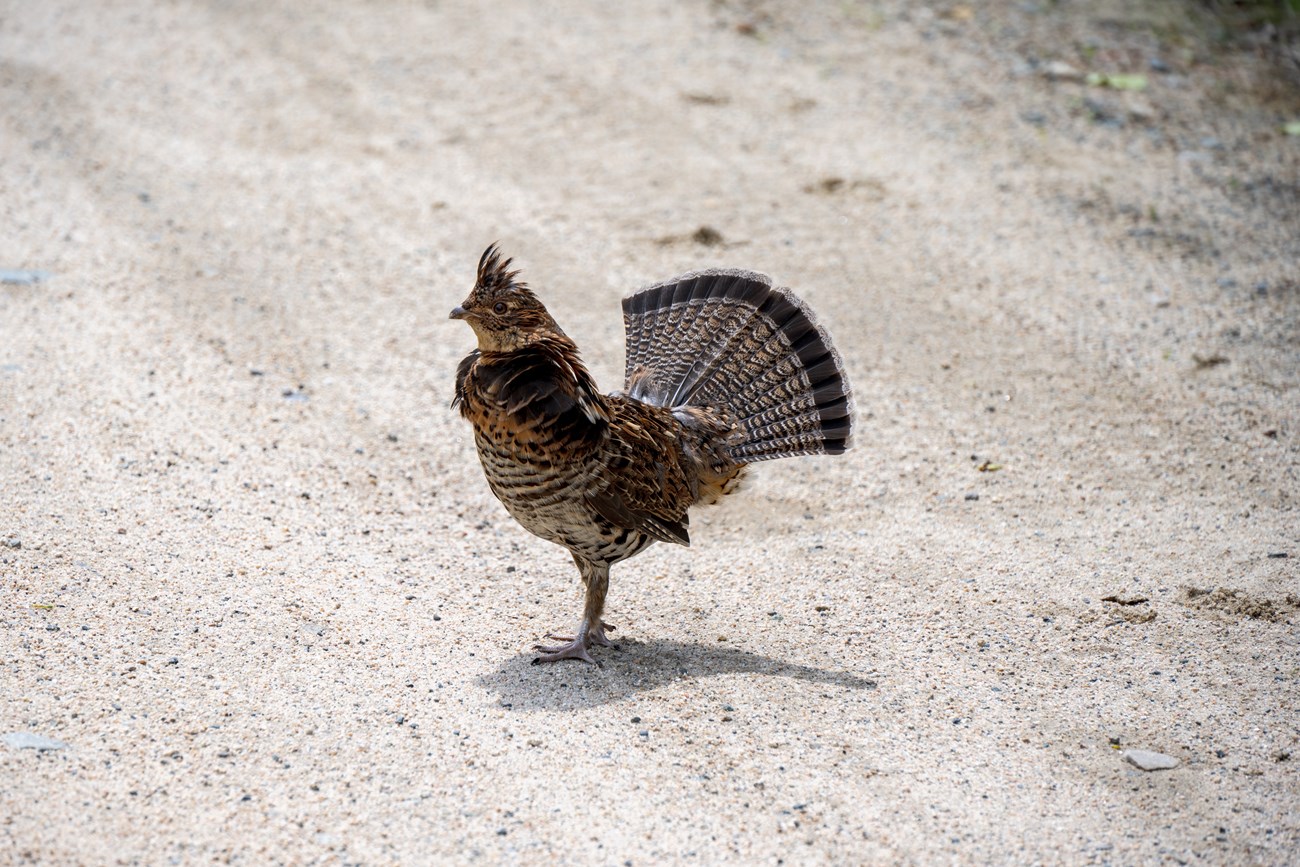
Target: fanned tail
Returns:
[730, 341]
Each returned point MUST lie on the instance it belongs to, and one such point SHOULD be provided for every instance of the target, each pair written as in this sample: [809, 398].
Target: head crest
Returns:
[495, 273]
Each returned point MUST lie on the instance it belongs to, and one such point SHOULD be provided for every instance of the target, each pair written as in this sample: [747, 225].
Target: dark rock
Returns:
[707, 236]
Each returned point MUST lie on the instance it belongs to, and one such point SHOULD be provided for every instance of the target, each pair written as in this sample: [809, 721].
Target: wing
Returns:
[537, 387]
[462, 377]
[646, 483]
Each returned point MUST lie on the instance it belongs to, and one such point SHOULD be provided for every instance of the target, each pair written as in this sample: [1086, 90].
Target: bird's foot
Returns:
[595, 636]
[575, 646]
[598, 637]
[575, 649]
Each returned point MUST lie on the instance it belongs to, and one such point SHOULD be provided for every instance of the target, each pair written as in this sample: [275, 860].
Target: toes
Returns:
[574, 650]
[580, 655]
[598, 637]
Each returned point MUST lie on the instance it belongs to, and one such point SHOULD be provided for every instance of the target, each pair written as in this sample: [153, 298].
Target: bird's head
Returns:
[504, 312]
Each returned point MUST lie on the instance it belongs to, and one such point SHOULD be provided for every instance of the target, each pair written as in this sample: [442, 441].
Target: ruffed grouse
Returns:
[723, 370]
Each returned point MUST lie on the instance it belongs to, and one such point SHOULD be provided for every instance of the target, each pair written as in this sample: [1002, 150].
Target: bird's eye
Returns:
[499, 307]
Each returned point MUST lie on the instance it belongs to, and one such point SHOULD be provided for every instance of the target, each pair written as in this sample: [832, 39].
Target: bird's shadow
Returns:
[638, 666]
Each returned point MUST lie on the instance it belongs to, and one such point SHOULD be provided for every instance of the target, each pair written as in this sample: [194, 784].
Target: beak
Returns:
[459, 313]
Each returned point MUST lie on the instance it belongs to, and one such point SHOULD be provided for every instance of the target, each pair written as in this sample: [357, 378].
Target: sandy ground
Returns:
[252, 575]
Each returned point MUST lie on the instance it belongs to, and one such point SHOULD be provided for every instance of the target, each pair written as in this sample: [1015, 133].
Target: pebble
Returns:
[972, 497]
[707, 236]
[1140, 109]
[1103, 113]
[13, 542]
[1149, 761]
[22, 276]
[1059, 70]
[29, 741]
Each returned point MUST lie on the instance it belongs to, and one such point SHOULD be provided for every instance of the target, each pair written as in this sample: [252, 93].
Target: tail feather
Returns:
[731, 341]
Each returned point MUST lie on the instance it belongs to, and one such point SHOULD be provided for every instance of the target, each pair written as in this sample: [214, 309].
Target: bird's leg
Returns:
[596, 629]
[592, 629]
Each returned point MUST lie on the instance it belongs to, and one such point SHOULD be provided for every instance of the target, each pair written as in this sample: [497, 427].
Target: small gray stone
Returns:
[29, 741]
[1103, 112]
[22, 276]
[1149, 761]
